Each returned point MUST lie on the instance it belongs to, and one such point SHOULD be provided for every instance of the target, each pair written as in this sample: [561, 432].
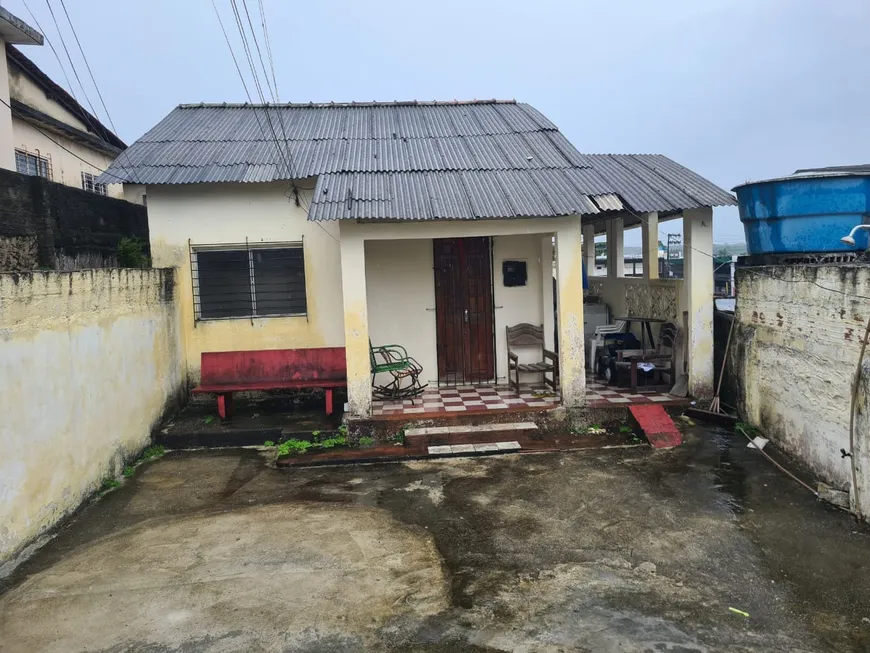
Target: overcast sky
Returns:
[736, 90]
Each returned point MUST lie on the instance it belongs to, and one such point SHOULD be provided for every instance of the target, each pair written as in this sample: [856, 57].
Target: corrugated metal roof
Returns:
[409, 160]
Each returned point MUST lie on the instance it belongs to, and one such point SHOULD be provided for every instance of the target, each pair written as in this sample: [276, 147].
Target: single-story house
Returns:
[434, 225]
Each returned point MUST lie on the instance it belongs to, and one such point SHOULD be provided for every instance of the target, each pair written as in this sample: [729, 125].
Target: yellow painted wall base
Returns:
[88, 362]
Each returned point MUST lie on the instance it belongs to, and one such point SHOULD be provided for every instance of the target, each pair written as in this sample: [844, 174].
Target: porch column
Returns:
[572, 364]
[549, 315]
[589, 248]
[650, 235]
[615, 249]
[356, 324]
[698, 293]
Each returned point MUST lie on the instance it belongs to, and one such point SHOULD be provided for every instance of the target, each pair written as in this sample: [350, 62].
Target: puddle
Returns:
[729, 476]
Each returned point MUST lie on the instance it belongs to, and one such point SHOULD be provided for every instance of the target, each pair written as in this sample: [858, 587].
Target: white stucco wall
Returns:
[7, 153]
[794, 353]
[88, 362]
[208, 214]
[66, 168]
[400, 286]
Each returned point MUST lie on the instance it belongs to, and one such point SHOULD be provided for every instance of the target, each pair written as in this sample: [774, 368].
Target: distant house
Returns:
[433, 225]
[44, 130]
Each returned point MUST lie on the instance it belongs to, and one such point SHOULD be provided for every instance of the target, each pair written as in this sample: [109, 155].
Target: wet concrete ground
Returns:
[617, 550]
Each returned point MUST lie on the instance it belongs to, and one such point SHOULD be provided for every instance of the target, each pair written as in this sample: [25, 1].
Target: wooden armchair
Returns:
[529, 335]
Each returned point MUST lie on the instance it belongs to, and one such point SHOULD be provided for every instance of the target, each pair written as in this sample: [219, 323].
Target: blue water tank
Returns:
[809, 211]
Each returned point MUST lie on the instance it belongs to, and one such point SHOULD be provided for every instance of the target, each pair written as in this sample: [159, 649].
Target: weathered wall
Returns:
[66, 167]
[89, 361]
[204, 214]
[400, 290]
[64, 218]
[794, 352]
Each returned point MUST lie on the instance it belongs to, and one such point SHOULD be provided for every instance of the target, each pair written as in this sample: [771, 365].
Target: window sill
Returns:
[248, 318]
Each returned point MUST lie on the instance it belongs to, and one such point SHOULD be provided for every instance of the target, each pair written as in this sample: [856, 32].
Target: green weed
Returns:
[625, 429]
[336, 441]
[268, 443]
[131, 253]
[129, 470]
[154, 451]
[366, 441]
[294, 446]
[209, 419]
[398, 437]
[109, 483]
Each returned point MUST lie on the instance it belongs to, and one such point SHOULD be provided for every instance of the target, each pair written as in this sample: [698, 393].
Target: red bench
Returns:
[226, 372]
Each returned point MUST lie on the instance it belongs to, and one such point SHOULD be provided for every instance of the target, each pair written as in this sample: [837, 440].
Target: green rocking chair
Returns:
[404, 371]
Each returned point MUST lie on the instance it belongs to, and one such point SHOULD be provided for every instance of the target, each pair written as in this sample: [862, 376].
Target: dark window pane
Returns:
[279, 276]
[223, 284]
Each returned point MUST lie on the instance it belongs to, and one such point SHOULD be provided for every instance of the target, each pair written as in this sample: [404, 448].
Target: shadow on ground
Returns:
[619, 550]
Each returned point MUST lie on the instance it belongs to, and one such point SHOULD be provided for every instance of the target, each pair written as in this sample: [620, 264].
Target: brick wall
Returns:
[66, 219]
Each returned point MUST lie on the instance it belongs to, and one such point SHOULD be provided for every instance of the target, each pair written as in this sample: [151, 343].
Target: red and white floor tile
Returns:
[497, 397]
[599, 395]
[469, 399]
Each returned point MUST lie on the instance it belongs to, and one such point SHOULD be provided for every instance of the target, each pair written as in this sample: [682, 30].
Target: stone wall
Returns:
[65, 219]
[89, 362]
[794, 352]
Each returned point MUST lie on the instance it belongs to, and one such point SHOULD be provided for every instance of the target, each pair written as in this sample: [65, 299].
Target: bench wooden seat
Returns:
[225, 372]
[529, 335]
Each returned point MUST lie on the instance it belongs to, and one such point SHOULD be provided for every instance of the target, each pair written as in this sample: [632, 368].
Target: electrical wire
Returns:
[264, 24]
[99, 94]
[62, 146]
[53, 49]
[259, 52]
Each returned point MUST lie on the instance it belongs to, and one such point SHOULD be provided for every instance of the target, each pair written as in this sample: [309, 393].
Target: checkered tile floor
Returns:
[599, 395]
[497, 397]
[469, 399]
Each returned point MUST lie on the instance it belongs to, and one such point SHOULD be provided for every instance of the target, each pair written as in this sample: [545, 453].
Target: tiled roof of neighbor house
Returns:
[410, 160]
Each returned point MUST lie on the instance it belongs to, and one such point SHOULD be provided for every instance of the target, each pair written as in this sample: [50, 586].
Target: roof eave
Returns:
[14, 30]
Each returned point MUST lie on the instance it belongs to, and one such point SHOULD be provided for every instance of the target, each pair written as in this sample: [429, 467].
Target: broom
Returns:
[714, 405]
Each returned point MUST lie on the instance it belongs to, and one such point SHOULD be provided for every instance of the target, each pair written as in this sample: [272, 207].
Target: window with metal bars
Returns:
[246, 281]
[90, 184]
[32, 164]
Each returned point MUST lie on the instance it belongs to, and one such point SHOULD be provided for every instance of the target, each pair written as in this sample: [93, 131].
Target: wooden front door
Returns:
[464, 310]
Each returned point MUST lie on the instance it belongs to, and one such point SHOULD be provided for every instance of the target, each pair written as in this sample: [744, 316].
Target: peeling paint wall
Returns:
[794, 353]
[233, 213]
[89, 361]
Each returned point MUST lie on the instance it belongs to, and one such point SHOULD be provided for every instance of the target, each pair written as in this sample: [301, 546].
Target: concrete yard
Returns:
[597, 550]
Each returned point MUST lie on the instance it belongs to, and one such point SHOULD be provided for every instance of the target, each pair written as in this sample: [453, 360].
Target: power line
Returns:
[96, 87]
[264, 23]
[69, 57]
[62, 146]
[53, 49]
[259, 52]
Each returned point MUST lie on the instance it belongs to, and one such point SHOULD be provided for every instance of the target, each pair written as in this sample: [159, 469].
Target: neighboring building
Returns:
[313, 225]
[47, 132]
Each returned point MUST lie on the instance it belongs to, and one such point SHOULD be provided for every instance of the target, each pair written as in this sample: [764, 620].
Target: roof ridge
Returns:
[330, 105]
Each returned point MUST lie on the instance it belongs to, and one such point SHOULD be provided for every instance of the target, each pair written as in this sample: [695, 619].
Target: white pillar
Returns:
[698, 294]
[589, 248]
[615, 249]
[547, 291]
[7, 145]
[572, 364]
[356, 324]
[650, 235]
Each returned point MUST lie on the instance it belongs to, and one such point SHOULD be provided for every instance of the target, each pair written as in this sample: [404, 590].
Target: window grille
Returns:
[89, 184]
[247, 281]
[28, 163]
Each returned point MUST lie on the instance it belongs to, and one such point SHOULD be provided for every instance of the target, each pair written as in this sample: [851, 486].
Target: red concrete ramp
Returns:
[657, 425]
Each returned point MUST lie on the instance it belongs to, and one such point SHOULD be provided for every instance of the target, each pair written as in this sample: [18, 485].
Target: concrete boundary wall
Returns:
[794, 352]
[89, 362]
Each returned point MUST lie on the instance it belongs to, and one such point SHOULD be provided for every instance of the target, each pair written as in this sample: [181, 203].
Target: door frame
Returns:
[442, 382]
